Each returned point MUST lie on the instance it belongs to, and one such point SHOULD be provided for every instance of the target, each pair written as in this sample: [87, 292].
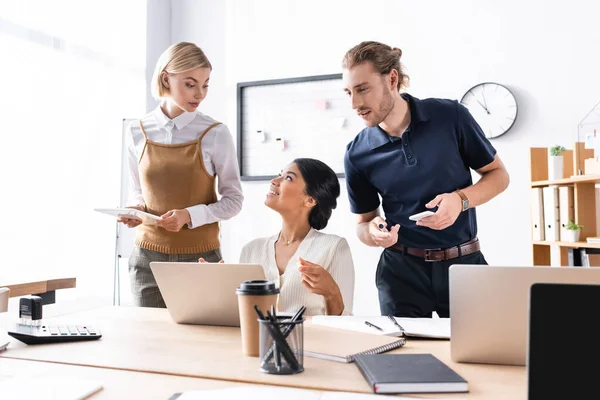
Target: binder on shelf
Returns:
[537, 214]
[585, 258]
[555, 256]
[551, 213]
[566, 209]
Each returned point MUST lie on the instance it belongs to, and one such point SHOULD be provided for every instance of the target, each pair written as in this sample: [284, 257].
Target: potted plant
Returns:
[573, 230]
[555, 163]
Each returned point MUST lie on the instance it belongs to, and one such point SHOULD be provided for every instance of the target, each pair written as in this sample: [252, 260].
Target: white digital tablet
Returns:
[146, 218]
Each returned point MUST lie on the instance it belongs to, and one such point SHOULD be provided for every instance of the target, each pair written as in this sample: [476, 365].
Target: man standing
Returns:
[417, 155]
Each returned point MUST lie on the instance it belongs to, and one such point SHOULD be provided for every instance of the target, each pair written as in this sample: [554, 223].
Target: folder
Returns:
[343, 345]
[566, 209]
[537, 214]
[551, 214]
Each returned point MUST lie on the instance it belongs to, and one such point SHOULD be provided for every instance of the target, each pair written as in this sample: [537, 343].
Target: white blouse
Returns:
[329, 251]
[218, 153]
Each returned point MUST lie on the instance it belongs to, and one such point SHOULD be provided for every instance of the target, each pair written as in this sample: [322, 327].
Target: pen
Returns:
[367, 323]
[282, 344]
[275, 347]
[286, 333]
[381, 226]
[396, 323]
[278, 338]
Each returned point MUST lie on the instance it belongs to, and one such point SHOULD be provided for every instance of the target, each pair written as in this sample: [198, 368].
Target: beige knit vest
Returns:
[173, 177]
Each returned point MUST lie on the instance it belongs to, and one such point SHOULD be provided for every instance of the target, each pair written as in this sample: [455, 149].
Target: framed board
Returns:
[283, 119]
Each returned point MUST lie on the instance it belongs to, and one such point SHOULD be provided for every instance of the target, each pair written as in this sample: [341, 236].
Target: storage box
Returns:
[592, 166]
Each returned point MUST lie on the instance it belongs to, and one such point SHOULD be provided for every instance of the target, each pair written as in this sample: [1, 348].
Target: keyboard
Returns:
[43, 334]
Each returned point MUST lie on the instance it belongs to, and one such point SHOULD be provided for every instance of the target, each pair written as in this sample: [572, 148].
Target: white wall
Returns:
[545, 53]
[158, 38]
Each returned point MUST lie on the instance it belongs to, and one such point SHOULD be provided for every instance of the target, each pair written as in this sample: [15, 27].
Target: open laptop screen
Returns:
[564, 341]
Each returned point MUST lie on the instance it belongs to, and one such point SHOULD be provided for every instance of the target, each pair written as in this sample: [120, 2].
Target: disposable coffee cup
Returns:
[250, 293]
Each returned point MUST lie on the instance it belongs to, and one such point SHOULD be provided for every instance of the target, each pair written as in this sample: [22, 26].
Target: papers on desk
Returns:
[47, 388]
[276, 393]
[433, 328]
[4, 342]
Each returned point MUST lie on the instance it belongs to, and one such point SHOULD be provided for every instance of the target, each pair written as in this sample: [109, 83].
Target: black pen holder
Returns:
[281, 346]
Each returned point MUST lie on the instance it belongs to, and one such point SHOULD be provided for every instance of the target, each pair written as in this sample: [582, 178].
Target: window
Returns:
[68, 80]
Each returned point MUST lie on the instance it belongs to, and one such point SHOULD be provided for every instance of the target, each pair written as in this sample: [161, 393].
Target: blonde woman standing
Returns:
[175, 155]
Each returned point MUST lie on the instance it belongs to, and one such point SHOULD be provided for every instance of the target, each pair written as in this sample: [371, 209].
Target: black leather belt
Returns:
[432, 255]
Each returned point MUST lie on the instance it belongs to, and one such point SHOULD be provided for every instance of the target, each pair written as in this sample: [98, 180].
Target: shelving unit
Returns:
[584, 201]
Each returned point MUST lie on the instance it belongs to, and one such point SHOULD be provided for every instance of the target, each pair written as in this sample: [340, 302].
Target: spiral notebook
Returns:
[343, 345]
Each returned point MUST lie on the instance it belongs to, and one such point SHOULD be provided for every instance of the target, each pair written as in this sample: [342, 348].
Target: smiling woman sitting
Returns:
[311, 268]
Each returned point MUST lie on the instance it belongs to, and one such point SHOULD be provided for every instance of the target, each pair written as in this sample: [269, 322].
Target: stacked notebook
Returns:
[409, 373]
[343, 346]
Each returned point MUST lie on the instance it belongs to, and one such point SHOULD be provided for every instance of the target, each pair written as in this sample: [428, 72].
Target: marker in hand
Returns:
[382, 227]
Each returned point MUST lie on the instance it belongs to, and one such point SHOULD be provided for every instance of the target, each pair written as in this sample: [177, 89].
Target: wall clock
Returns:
[493, 106]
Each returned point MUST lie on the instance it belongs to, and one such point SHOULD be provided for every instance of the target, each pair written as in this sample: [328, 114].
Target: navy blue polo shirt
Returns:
[434, 156]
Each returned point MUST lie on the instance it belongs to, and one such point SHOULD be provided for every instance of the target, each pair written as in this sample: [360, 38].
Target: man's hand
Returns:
[449, 208]
[132, 222]
[383, 237]
[173, 220]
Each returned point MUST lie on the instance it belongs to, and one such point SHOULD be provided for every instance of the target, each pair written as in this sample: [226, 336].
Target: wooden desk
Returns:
[144, 339]
[45, 288]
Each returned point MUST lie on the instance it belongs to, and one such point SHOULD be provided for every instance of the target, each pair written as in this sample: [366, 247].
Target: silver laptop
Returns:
[489, 309]
[203, 293]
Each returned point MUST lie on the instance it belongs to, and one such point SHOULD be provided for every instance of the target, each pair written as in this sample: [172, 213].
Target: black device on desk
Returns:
[564, 321]
[31, 329]
[53, 333]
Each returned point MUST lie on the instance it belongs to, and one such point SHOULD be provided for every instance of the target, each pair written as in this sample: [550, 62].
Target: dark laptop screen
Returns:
[564, 341]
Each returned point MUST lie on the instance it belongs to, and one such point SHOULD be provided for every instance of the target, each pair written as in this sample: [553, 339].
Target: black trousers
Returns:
[409, 286]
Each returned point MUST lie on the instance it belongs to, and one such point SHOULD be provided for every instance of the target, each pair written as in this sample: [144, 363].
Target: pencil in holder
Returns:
[281, 345]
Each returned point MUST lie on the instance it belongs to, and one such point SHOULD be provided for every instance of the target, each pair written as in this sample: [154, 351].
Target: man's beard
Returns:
[384, 108]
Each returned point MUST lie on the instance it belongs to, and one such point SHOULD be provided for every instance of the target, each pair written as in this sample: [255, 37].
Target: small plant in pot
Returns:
[555, 162]
[573, 230]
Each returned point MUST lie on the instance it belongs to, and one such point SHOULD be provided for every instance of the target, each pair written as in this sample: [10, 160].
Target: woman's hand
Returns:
[173, 220]
[316, 279]
[319, 281]
[202, 260]
[132, 222]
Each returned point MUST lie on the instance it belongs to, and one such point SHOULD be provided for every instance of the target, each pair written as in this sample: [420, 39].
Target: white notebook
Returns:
[146, 218]
[276, 393]
[4, 341]
[48, 388]
[434, 328]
